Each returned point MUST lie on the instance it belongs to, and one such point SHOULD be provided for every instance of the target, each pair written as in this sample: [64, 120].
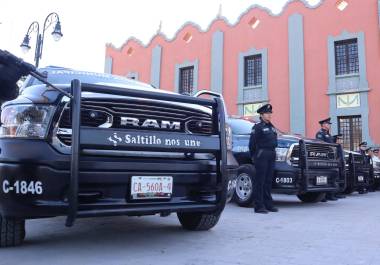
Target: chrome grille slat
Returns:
[358, 158]
[134, 105]
[329, 150]
[128, 111]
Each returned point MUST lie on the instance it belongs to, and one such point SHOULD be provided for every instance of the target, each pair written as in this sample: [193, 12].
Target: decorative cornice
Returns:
[217, 18]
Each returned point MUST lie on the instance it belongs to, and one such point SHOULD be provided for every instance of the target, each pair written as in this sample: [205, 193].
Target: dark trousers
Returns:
[262, 181]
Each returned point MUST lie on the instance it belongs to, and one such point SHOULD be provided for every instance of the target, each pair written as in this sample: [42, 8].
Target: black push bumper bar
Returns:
[307, 165]
[97, 138]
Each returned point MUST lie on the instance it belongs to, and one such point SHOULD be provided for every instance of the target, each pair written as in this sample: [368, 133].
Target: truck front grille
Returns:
[358, 159]
[315, 152]
[110, 113]
[321, 152]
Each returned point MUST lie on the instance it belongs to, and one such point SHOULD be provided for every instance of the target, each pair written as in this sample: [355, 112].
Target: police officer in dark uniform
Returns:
[376, 151]
[362, 148]
[338, 139]
[363, 151]
[262, 147]
[324, 135]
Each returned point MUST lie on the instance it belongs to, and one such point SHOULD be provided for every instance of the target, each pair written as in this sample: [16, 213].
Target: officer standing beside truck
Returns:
[376, 152]
[262, 148]
[324, 135]
[363, 151]
[338, 139]
[362, 148]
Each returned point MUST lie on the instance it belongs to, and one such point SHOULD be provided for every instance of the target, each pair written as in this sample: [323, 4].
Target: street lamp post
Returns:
[35, 27]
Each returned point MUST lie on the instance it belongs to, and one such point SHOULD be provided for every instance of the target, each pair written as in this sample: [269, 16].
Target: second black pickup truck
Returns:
[304, 167]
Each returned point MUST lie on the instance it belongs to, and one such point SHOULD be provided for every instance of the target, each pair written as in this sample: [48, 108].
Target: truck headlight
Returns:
[229, 137]
[25, 121]
[281, 154]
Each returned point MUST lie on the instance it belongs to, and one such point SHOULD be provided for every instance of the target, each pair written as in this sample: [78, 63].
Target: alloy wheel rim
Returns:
[243, 186]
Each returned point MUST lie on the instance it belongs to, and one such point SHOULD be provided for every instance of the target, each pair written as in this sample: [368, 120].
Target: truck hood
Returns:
[42, 94]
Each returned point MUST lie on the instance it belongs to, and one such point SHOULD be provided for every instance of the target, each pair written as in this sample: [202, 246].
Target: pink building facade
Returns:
[309, 62]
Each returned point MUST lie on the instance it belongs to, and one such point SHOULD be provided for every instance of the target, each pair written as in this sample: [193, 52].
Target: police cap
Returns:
[328, 120]
[363, 143]
[267, 108]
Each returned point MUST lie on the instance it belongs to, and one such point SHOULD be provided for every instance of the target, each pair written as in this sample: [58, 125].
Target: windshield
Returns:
[64, 76]
[240, 126]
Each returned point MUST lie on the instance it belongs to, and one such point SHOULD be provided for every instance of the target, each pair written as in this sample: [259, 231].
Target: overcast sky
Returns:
[88, 25]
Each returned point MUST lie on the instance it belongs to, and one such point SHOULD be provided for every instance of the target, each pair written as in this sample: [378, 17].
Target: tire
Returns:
[12, 232]
[311, 197]
[348, 190]
[244, 186]
[198, 221]
[231, 190]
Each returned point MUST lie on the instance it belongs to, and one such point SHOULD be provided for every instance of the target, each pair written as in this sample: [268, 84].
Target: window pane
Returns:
[351, 128]
[186, 80]
[253, 70]
[346, 57]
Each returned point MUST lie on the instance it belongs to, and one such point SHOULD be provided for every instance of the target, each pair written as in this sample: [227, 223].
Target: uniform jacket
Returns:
[263, 136]
[325, 136]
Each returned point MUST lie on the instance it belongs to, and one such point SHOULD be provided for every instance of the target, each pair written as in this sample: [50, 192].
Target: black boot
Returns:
[261, 210]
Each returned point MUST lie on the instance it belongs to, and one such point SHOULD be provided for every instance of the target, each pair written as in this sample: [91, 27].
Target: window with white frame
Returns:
[252, 82]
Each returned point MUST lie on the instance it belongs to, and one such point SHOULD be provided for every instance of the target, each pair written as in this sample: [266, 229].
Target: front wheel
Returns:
[244, 186]
[198, 221]
[12, 232]
[311, 197]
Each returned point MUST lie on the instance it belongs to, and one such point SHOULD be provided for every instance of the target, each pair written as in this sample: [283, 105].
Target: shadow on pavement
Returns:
[131, 232]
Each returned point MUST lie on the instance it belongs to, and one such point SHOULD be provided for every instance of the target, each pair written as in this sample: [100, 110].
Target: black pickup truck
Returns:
[304, 167]
[82, 144]
[358, 172]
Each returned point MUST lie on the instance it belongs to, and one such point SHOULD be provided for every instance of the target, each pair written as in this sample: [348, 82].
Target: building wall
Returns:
[300, 78]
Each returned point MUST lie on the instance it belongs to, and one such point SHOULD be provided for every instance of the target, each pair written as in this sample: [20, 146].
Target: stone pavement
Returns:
[343, 232]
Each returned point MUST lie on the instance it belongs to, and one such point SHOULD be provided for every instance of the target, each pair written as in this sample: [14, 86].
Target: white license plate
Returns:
[321, 180]
[151, 187]
[360, 178]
